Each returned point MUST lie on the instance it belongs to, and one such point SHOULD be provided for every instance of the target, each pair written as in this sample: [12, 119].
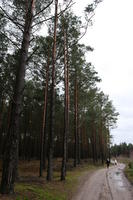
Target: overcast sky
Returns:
[112, 38]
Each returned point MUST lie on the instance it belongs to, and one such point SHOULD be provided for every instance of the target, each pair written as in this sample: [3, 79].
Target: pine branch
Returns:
[9, 95]
[32, 39]
[86, 28]
[43, 9]
[16, 36]
[12, 20]
[59, 14]
[88, 21]
[14, 43]
[37, 67]
[28, 59]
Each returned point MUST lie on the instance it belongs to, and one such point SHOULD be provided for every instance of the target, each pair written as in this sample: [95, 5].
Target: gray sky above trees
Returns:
[112, 38]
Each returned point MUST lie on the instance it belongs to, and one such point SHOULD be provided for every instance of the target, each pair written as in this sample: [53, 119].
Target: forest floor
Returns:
[106, 184]
[31, 187]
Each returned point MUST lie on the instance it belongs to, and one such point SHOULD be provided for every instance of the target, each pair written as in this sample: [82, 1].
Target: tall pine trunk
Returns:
[93, 141]
[66, 110]
[1, 116]
[68, 98]
[108, 144]
[101, 142]
[43, 135]
[79, 145]
[1, 111]
[10, 159]
[52, 103]
[76, 121]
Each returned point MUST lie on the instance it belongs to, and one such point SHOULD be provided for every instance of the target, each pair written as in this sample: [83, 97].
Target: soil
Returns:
[105, 184]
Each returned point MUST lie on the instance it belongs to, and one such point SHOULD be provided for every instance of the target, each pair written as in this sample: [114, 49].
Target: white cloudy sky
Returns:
[112, 38]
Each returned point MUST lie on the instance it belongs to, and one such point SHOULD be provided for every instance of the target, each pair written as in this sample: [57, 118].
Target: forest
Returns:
[50, 103]
[123, 149]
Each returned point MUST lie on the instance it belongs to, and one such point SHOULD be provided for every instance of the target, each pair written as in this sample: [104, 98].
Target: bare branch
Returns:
[59, 14]
[12, 20]
[32, 54]
[32, 39]
[88, 20]
[43, 21]
[14, 43]
[43, 9]
[13, 7]
[86, 28]
[16, 36]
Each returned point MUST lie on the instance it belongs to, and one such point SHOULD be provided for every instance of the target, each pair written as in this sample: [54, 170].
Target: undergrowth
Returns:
[129, 171]
[31, 187]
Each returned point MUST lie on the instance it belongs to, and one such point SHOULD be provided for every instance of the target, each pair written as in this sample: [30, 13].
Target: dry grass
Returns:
[31, 187]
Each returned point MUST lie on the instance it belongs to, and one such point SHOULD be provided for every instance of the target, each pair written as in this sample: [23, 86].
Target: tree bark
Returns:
[101, 142]
[43, 135]
[76, 121]
[68, 97]
[52, 103]
[10, 159]
[92, 143]
[79, 146]
[1, 116]
[66, 110]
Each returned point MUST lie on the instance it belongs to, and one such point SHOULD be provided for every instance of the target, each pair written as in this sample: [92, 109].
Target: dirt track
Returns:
[106, 184]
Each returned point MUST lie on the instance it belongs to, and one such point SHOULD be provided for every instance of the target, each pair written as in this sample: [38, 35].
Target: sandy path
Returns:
[106, 184]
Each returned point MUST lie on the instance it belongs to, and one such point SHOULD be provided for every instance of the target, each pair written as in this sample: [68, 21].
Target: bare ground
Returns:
[105, 184]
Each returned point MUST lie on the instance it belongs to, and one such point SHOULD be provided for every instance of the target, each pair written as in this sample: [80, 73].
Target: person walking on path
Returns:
[115, 162]
[107, 162]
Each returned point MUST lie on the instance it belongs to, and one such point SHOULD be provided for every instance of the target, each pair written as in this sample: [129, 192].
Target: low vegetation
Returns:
[129, 167]
[129, 171]
[31, 187]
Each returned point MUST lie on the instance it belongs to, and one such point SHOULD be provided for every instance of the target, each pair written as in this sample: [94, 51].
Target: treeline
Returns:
[122, 149]
[50, 105]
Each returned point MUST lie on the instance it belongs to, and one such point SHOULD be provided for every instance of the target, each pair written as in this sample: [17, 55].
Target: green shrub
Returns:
[130, 165]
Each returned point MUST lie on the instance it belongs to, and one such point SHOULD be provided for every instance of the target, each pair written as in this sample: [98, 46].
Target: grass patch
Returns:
[37, 192]
[55, 190]
[129, 171]
[31, 187]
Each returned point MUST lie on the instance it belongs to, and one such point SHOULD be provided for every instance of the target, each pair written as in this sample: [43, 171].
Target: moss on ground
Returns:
[31, 187]
[37, 193]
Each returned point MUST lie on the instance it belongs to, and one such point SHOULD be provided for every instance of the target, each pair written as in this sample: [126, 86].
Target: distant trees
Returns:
[123, 149]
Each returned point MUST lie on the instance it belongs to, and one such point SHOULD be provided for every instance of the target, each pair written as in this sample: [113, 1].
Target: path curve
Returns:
[106, 184]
